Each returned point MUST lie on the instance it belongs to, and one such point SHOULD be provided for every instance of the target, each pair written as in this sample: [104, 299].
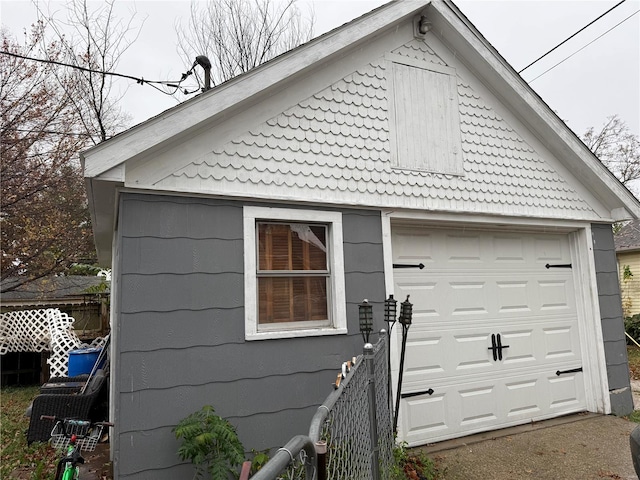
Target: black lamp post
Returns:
[390, 317]
[365, 310]
[406, 315]
[390, 312]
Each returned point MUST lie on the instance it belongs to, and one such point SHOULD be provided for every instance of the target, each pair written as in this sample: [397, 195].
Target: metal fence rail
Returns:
[354, 421]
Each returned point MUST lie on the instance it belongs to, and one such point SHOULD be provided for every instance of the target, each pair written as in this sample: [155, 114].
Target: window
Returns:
[294, 274]
[424, 116]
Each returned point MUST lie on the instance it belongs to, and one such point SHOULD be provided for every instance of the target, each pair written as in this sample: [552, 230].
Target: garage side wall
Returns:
[612, 320]
[181, 332]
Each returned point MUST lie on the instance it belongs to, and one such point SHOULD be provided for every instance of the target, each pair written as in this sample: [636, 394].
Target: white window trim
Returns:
[337, 303]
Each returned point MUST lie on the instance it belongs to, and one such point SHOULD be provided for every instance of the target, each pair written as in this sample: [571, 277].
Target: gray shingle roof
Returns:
[50, 288]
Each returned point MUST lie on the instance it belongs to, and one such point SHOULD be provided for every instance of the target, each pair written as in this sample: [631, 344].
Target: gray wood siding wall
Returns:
[612, 319]
[181, 332]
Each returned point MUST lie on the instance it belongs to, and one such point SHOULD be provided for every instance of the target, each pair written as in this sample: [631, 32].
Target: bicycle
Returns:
[71, 436]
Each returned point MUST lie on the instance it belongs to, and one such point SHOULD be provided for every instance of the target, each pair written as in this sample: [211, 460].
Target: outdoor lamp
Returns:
[406, 312]
[390, 311]
[365, 310]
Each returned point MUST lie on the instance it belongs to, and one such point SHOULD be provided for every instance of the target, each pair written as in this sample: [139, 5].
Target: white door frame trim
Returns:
[594, 363]
[587, 304]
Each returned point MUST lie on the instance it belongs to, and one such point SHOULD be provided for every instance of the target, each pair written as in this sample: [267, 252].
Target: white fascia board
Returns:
[457, 32]
[203, 109]
[102, 196]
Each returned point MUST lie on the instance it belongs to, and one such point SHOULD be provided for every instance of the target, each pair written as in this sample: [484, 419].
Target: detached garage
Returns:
[245, 226]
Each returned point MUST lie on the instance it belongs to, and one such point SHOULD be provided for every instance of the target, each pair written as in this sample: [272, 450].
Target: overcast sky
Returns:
[601, 80]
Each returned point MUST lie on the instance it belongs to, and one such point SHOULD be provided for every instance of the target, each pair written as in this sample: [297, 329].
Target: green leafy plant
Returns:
[259, 460]
[632, 326]
[627, 300]
[413, 465]
[210, 443]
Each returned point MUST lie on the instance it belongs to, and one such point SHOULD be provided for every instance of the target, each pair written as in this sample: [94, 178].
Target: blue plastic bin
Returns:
[81, 361]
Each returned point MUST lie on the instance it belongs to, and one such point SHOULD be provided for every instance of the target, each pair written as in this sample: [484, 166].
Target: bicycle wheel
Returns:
[70, 473]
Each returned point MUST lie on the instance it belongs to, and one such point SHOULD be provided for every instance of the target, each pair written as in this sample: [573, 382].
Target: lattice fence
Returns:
[39, 331]
[24, 331]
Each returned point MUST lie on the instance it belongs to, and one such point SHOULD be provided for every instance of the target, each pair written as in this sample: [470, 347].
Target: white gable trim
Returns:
[202, 109]
[467, 43]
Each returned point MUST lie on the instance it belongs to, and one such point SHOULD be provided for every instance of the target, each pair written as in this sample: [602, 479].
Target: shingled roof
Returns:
[52, 290]
[628, 238]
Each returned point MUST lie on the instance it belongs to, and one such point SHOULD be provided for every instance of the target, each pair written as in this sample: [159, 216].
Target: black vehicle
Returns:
[634, 441]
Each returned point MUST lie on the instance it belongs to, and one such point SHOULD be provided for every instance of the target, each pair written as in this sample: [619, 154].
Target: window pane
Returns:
[293, 246]
[292, 299]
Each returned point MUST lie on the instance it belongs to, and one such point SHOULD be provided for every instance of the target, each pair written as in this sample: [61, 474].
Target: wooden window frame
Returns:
[336, 305]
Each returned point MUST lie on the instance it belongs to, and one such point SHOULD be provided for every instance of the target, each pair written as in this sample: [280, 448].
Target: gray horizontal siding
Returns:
[230, 400]
[200, 364]
[612, 321]
[159, 446]
[181, 330]
[166, 292]
[180, 217]
[148, 255]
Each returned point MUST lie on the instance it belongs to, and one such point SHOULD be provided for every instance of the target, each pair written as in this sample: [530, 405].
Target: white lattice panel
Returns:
[24, 331]
[42, 330]
[63, 340]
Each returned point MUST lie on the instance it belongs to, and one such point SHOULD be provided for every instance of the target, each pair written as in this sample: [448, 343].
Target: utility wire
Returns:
[140, 81]
[49, 132]
[569, 38]
[585, 46]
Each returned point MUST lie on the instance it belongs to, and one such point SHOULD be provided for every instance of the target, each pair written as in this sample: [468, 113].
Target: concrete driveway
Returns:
[576, 447]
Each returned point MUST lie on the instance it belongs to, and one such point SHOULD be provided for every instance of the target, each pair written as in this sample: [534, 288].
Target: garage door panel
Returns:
[425, 358]
[477, 285]
[423, 295]
[472, 251]
[447, 351]
[472, 296]
[522, 397]
[514, 296]
[468, 297]
[456, 409]
[554, 294]
[471, 352]
[566, 392]
[464, 249]
[551, 249]
[522, 346]
[426, 416]
[478, 405]
[561, 342]
[414, 247]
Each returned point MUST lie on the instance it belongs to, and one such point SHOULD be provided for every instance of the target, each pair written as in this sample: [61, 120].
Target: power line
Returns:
[569, 38]
[585, 46]
[50, 132]
[141, 81]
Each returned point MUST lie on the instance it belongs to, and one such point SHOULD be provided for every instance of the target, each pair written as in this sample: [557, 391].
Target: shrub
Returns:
[632, 326]
[210, 443]
[412, 465]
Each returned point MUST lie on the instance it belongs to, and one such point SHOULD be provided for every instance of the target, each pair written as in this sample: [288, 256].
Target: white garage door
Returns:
[494, 335]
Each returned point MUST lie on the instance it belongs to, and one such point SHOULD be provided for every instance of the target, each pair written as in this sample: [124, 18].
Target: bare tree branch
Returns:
[238, 35]
[50, 112]
[617, 148]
